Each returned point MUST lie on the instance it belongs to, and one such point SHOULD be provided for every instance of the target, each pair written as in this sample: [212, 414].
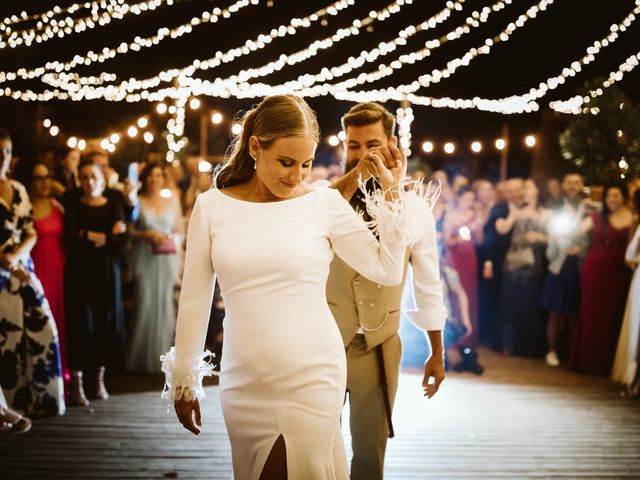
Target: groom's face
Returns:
[360, 139]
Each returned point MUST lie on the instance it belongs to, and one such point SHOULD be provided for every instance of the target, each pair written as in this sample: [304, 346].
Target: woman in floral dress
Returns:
[29, 348]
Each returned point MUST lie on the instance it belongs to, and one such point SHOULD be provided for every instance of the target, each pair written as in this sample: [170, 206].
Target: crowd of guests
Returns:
[530, 270]
[74, 241]
[543, 270]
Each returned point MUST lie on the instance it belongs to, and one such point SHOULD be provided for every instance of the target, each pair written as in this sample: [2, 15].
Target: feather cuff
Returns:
[404, 219]
[185, 383]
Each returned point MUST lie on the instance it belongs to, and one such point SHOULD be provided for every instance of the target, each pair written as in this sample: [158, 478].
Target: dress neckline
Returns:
[279, 202]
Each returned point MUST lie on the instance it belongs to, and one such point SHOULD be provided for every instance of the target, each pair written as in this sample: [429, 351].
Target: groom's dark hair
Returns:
[368, 113]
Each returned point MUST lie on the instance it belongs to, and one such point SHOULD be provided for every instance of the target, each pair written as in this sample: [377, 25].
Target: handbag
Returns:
[167, 247]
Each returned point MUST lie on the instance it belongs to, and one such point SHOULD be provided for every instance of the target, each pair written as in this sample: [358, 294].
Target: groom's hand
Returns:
[433, 369]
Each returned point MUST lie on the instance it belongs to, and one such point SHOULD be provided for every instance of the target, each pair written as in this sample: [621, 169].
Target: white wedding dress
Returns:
[283, 370]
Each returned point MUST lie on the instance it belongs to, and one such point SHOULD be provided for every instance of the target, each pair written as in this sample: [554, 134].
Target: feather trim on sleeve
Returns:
[404, 219]
[185, 383]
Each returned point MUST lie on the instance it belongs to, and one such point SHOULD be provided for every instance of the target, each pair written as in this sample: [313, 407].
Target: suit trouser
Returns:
[368, 419]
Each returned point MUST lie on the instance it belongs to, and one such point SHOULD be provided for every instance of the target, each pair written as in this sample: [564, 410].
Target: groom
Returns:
[368, 314]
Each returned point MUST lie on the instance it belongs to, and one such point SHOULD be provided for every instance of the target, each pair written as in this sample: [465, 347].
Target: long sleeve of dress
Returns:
[431, 312]
[186, 364]
[633, 249]
[379, 261]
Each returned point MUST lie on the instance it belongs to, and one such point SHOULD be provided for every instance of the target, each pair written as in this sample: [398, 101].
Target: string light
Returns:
[53, 131]
[575, 104]
[219, 86]
[476, 147]
[449, 148]
[236, 129]
[135, 46]
[500, 144]
[427, 147]
[204, 166]
[5, 25]
[453, 65]
[209, 64]
[342, 136]
[46, 123]
[45, 31]
[530, 141]
[161, 108]
[526, 102]
[176, 140]
[472, 21]
[334, 141]
[384, 70]
[194, 104]
[109, 143]
[308, 80]
[517, 103]
[216, 118]
[343, 90]
[404, 118]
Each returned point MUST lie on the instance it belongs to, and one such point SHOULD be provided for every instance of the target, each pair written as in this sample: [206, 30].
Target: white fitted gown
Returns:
[283, 370]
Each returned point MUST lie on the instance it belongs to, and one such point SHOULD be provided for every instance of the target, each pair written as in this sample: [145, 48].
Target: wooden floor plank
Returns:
[520, 420]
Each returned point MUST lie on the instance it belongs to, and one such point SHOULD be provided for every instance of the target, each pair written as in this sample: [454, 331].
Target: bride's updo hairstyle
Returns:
[274, 117]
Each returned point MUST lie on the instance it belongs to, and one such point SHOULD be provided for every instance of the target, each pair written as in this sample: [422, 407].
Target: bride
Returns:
[270, 240]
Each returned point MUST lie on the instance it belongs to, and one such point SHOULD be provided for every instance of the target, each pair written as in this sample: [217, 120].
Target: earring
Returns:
[255, 162]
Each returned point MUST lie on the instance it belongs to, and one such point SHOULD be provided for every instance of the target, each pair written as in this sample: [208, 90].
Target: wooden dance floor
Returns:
[520, 420]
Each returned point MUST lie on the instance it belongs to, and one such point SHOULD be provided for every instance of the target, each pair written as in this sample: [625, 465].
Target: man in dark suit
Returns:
[492, 254]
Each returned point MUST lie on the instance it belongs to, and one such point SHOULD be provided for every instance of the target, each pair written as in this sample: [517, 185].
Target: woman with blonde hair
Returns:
[270, 239]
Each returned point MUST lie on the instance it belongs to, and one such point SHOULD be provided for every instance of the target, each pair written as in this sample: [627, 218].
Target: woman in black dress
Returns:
[94, 228]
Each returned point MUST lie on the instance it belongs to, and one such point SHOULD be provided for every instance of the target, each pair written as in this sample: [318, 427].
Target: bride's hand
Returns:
[185, 410]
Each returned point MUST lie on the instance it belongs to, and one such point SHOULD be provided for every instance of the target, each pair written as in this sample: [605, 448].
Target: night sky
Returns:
[540, 49]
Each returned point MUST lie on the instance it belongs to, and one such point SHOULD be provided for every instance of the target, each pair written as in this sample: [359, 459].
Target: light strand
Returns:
[201, 86]
[136, 45]
[385, 70]
[575, 104]
[404, 117]
[45, 17]
[507, 105]
[216, 60]
[97, 18]
[474, 20]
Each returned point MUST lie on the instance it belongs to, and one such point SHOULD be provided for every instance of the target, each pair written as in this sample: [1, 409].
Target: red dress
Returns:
[605, 282]
[463, 259]
[48, 258]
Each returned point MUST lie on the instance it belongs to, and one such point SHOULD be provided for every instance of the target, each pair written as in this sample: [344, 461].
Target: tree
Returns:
[603, 142]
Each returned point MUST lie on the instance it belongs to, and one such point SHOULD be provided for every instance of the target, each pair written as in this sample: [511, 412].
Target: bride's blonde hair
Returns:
[274, 117]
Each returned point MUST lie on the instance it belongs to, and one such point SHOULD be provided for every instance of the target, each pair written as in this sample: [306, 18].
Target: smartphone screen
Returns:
[132, 173]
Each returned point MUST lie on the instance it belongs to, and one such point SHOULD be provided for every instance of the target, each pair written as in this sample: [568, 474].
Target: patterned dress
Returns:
[29, 348]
